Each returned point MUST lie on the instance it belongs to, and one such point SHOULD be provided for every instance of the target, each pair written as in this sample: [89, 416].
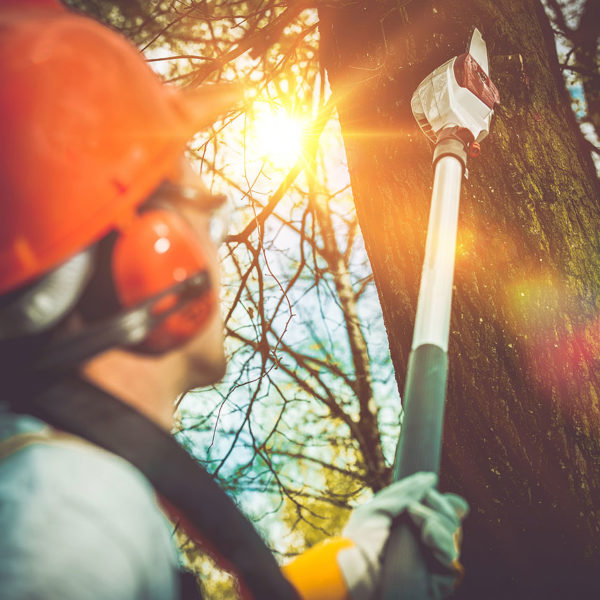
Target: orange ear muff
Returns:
[156, 251]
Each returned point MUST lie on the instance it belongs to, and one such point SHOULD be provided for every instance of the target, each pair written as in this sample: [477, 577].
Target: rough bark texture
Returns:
[522, 434]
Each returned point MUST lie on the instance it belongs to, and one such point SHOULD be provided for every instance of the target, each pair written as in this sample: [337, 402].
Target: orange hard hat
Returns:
[87, 130]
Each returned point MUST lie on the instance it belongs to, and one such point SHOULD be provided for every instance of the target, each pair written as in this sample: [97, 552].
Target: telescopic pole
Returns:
[453, 106]
[420, 443]
[405, 573]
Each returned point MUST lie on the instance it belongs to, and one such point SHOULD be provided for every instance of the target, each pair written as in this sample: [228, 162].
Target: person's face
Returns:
[204, 354]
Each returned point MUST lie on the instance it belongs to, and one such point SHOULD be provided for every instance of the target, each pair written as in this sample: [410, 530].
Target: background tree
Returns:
[306, 404]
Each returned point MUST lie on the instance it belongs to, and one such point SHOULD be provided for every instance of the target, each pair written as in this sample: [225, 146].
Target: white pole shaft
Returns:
[432, 322]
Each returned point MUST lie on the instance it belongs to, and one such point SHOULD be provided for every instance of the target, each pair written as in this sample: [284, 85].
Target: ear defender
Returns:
[155, 252]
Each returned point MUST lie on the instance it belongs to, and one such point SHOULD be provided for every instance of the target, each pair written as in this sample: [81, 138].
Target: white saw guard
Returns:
[439, 102]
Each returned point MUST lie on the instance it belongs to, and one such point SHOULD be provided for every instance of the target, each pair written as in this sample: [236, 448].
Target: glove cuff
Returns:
[316, 574]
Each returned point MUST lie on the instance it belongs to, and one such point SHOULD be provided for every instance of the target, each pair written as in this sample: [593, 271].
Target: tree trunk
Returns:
[522, 428]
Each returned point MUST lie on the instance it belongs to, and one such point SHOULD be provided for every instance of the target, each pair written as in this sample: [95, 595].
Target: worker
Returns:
[109, 287]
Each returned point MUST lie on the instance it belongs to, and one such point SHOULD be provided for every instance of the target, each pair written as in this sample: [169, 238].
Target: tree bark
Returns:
[522, 428]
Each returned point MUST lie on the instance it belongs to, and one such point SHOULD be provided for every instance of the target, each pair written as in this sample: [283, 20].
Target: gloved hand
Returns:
[437, 516]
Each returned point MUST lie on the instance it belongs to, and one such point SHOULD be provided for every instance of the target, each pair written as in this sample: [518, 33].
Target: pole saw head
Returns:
[458, 94]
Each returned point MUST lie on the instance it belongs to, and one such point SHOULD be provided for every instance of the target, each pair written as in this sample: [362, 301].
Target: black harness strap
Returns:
[78, 407]
[188, 586]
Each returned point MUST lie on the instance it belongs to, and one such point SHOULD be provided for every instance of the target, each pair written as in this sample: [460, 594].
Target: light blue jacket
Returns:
[78, 523]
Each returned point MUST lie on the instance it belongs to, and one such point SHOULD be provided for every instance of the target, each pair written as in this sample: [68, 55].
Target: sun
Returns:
[275, 135]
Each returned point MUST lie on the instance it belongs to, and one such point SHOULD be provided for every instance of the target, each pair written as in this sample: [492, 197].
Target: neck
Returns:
[148, 384]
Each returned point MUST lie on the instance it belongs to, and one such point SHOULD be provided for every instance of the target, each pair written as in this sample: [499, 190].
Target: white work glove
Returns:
[437, 516]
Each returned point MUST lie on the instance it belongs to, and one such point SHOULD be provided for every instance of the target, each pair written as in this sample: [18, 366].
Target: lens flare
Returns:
[275, 135]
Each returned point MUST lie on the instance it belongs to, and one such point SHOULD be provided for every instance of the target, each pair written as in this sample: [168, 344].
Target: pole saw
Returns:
[453, 107]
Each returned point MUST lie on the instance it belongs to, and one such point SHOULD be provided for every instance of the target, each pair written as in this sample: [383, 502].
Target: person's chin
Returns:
[206, 370]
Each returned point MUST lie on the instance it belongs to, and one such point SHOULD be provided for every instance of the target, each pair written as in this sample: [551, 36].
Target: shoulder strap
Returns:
[188, 586]
[75, 406]
[46, 435]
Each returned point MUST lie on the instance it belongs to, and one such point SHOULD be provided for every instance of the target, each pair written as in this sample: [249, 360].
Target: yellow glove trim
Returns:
[316, 574]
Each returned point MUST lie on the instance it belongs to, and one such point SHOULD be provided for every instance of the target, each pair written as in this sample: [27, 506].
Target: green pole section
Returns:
[420, 444]
[406, 566]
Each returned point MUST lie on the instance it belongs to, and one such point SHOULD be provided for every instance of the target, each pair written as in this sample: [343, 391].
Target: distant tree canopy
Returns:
[308, 414]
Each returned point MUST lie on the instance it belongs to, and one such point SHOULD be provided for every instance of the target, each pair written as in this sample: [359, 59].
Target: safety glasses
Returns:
[197, 198]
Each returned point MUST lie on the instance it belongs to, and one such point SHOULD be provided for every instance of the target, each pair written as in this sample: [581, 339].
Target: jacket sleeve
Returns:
[316, 574]
[80, 524]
